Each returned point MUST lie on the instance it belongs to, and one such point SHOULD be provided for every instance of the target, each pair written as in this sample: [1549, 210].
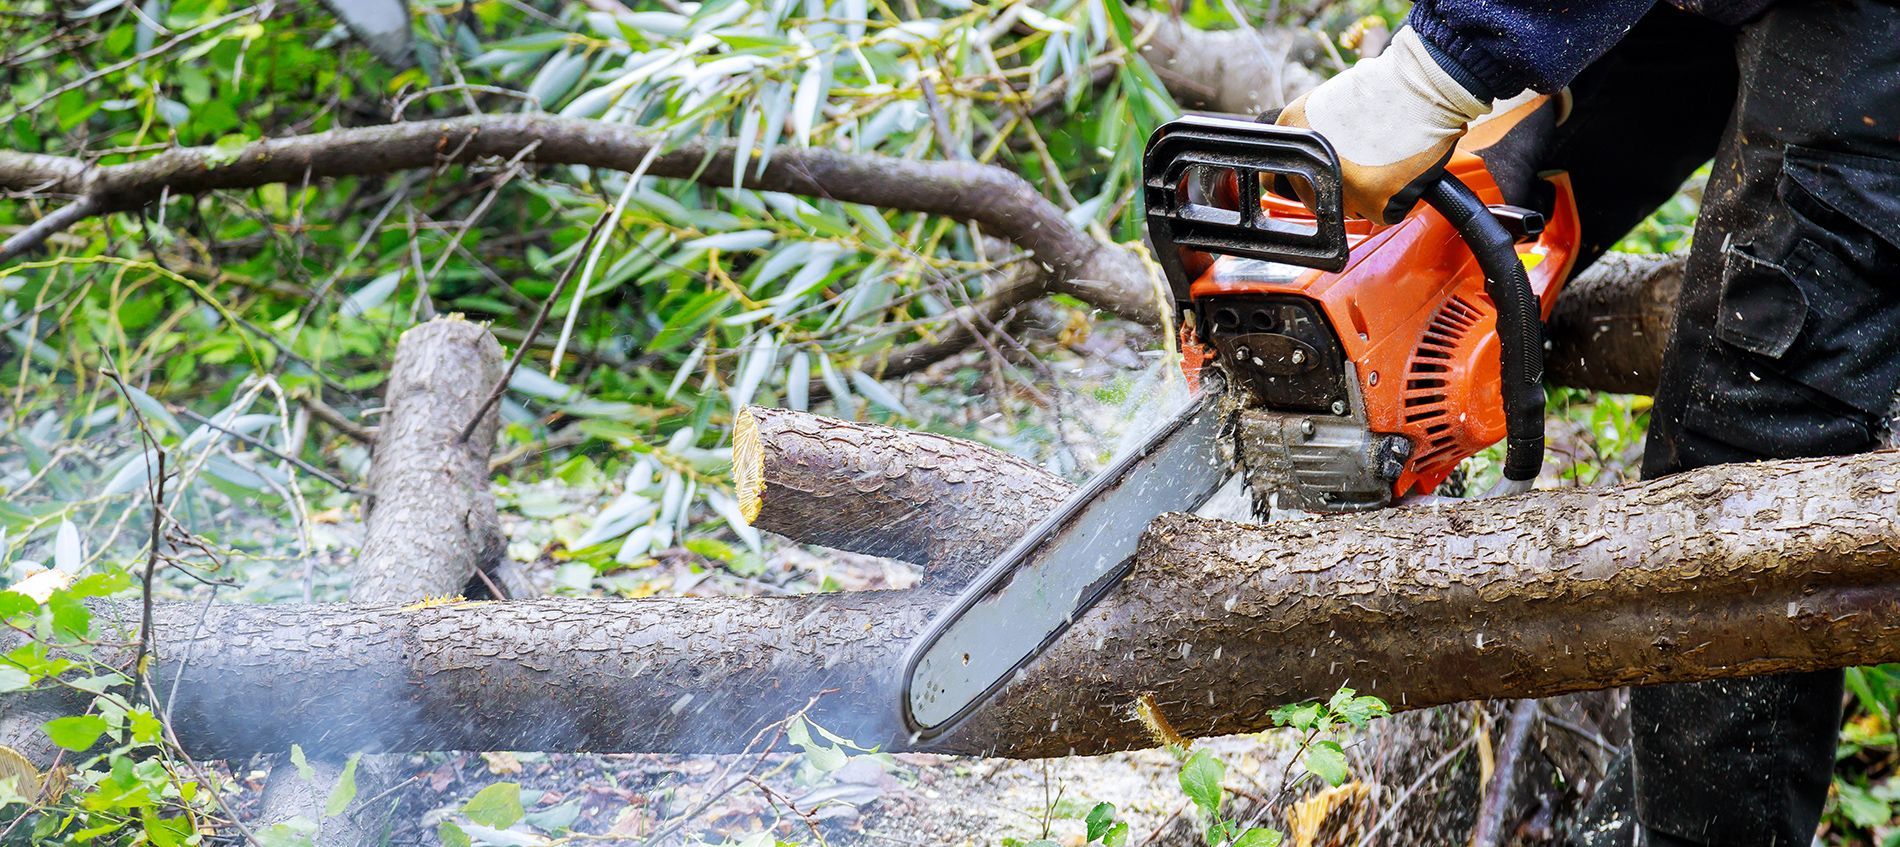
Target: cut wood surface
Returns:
[1726, 571]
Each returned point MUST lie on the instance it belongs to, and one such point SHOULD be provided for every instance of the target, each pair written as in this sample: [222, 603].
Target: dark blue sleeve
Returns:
[1497, 48]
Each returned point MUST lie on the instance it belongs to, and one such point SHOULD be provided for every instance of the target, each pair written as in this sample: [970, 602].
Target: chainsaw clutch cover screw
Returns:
[1306, 428]
[1339, 407]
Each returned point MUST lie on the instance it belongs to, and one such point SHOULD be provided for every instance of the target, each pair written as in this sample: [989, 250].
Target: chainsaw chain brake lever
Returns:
[1519, 324]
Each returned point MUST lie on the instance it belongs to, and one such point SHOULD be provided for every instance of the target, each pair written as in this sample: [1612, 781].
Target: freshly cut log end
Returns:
[945, 504]
[748, 465]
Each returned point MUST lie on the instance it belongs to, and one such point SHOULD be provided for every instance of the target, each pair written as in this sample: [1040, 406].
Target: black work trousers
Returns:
[1786, 344]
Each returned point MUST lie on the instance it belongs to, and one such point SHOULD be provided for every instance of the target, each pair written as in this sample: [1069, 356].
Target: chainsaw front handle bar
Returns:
[1520, 324]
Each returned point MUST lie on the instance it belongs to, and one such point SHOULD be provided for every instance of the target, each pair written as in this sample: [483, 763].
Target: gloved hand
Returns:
[1393, 119]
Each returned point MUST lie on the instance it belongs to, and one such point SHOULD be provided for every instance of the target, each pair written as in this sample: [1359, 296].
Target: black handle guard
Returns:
[1520, 323]
[1251, 150]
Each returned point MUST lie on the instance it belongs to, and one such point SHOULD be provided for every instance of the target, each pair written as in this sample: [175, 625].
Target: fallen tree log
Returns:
[928, 499]
[1726, 571]
[1611, 322]
[432, 530]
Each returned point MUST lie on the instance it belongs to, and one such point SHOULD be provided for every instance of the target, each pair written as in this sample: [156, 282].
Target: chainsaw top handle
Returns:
[1260, 155]
[1520, 328]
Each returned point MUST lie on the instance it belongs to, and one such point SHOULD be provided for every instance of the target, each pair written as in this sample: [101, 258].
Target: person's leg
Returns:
[1787, 343]
[1642, 119]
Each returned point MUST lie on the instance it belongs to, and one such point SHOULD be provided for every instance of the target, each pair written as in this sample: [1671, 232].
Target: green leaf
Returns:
[1117, 835]
[156, 415]
[1301, 716]
[1355, 710]
[1861, 806]
[826, 759]
[687, 320]
[165, 832]
[101, 584]
[1327, 761]
[452, 835]
[1118, 17]
[1099, 820]
[497, 806]
[1218, 833]
[71, 619]
[303, 765]
[345, 790]
[225, 150]
[1200, 781]
[1259, 836]
[145, 727]
[295, 832]
[76, 733]
[14, 603]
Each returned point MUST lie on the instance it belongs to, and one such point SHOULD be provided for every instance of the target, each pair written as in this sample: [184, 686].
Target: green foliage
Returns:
[234, 308]
[1866, 791]
[1104, 828]
[498, 806]
[1202, 773]
[127, 783]
[1200, 780]
[345, 790]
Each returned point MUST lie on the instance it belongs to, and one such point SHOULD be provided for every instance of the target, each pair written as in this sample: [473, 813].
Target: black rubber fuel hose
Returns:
[1520, 327]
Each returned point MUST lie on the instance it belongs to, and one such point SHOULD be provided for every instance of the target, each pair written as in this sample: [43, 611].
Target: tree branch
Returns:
[1004, 203]
[1610, 339]
[1241, 71]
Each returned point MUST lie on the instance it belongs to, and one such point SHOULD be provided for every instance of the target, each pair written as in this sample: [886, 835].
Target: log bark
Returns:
[1725, 571]
[1611, 323]
[922, 498]
[431, 518]
[431, 527]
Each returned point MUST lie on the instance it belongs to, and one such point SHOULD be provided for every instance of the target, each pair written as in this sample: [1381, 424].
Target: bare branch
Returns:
[1006, 205]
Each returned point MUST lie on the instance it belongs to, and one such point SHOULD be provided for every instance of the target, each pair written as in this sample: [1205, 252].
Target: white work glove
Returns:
[1393, 119]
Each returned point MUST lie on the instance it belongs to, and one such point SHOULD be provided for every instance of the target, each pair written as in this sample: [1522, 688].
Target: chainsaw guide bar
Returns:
[1068, 562]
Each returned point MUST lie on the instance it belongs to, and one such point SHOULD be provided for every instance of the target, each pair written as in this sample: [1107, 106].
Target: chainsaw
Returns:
[1337, 366]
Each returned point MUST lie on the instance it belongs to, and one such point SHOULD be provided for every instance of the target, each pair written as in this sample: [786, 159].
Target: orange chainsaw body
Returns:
[1410, 311]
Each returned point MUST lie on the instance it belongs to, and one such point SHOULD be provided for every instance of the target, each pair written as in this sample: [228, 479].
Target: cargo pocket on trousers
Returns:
[1846, 261]
[1808, 353]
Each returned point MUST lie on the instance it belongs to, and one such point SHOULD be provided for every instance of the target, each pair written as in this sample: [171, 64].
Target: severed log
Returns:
[432, 528]
[432, 522]
[926, 499]
[1725, 571]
